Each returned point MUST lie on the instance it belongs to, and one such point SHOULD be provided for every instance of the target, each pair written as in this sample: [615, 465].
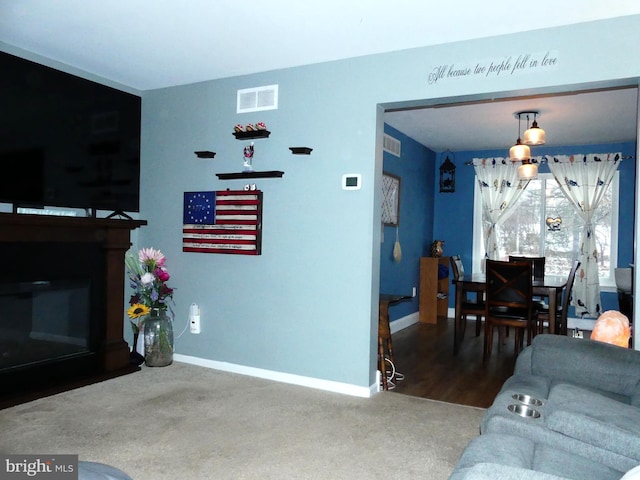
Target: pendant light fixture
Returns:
[519, 151]
[534, 135]
[528, 170]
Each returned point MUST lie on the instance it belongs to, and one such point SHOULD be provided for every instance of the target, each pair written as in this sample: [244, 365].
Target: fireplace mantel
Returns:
[112, 238]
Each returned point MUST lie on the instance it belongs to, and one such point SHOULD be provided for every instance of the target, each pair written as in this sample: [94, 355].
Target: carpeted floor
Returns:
[190, 422]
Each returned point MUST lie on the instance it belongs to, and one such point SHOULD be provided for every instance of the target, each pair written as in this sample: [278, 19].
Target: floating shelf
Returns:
[232, 176]
[300, 150]
[252, 134]
[205, 154]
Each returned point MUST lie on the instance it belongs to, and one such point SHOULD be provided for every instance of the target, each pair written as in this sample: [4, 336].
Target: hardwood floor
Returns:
[423, 353]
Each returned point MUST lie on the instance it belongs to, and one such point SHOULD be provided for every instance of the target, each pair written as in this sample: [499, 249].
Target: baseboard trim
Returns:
[404, 322]
[328, 385]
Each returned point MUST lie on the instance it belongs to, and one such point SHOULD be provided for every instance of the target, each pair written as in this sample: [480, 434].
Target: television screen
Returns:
[66, 141]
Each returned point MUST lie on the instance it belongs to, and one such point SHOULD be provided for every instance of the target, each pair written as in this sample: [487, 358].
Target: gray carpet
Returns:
[190, 422]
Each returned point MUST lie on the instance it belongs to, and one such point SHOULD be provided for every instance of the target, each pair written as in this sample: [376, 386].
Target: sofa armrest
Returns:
[588, 363]
[523, 362]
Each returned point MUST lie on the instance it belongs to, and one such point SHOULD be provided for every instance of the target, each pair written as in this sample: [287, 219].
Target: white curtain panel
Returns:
[500, 189]
[584, 180]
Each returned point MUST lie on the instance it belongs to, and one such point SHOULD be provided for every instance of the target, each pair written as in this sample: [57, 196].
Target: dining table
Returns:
[550, 287]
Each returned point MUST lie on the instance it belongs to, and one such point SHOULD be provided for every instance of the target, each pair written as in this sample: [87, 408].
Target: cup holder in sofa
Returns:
[526, 399]
[524, 411]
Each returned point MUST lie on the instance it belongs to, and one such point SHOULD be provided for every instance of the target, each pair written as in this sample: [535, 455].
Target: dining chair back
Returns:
[537, 265]
[472, 303]
[509, 303]
[457, 267]
[562, 311]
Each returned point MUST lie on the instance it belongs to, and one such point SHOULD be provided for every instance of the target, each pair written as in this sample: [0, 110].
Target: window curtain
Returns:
[584, 179]
[500, 189]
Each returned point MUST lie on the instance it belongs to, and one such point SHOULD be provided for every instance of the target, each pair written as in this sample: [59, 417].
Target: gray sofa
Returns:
[587, 418]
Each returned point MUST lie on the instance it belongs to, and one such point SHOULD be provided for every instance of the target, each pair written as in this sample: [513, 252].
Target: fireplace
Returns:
[61, 303]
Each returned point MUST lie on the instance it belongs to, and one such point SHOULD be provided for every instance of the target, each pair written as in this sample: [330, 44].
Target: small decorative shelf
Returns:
[267, 174]
[300, 150]
[205, 154]
[252, 134]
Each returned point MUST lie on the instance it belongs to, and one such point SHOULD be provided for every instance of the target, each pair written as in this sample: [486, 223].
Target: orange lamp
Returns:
[612, 327]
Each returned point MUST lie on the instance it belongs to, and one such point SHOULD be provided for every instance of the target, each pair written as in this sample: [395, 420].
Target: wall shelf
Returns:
[205, 154]
[251, 135]
[239, 175]
[301, 150]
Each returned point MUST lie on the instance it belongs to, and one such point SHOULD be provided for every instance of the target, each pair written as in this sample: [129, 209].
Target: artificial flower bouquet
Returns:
[148, 276]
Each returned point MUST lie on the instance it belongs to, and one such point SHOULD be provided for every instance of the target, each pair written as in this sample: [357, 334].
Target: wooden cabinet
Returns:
[434, 291]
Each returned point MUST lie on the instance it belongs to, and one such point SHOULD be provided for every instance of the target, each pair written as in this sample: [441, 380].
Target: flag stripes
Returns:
[235, 226]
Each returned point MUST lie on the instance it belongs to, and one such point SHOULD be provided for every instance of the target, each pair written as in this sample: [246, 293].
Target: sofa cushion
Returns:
[594, 419]
[499, 419]
[514, 457]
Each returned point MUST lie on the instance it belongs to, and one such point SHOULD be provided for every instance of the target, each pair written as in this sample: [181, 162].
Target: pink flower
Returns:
[162, 274]
[151, 256]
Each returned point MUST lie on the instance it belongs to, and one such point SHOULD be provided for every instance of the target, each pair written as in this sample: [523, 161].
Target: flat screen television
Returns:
[66, 141]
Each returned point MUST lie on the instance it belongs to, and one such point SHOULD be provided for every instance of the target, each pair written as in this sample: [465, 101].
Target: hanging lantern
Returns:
[448, 175]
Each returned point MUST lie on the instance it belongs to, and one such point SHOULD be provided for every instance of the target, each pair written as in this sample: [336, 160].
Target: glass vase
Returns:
[158, 339]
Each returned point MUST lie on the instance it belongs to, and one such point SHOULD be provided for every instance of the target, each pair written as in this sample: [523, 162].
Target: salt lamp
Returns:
[612, 327]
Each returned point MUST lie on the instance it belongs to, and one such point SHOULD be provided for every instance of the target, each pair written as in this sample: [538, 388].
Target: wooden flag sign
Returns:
[227, 221]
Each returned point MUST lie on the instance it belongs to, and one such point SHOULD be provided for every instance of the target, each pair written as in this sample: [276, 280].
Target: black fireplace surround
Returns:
[61, 303]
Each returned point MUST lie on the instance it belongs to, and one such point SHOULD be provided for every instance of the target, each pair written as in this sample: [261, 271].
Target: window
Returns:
[544, 223]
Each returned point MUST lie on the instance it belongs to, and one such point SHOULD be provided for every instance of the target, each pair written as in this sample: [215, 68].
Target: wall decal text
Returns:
[523, 63]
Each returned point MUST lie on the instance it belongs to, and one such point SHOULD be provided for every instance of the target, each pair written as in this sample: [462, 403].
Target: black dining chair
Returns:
[537, 265]
[472, 302]
[537, 271]
[562, 309]
[509, 303]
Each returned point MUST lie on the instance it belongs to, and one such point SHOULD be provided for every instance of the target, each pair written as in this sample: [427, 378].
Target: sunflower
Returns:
[137, 310]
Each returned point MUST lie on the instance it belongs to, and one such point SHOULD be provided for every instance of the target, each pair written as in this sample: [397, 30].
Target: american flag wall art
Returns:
[226, 221]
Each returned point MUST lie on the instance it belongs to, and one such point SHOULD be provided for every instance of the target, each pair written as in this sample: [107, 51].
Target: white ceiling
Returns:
[147, 44]
[607, 116]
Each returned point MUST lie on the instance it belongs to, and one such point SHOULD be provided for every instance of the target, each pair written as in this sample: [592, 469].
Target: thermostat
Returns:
[351, 181]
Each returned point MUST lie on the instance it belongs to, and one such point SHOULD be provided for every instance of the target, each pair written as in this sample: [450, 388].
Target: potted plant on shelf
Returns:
[148, 276]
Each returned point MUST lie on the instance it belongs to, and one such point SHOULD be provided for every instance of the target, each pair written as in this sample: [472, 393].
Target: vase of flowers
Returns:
[150, 303]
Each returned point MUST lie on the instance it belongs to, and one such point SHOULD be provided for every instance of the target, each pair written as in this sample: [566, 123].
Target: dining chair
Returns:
[537, 265]
[472, 301]
[537, 271]
[509, 303]
[562, 309]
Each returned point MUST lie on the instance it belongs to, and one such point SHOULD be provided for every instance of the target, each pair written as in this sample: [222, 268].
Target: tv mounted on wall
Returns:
[66, 141]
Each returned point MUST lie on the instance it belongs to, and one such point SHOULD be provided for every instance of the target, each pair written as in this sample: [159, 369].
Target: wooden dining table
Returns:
[550, 287]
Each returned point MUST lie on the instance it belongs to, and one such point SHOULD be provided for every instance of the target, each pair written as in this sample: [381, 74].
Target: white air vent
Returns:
[257, 99]
[391, 145]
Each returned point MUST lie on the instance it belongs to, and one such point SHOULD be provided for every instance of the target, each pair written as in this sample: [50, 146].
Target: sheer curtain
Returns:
[500, 189]
[584, 180]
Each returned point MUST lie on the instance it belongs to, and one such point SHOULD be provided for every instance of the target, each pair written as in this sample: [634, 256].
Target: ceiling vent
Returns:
[391, 145]
[257, 99]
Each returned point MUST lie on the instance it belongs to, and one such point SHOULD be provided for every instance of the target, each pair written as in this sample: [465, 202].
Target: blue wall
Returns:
[454, 212]
[415, 168]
